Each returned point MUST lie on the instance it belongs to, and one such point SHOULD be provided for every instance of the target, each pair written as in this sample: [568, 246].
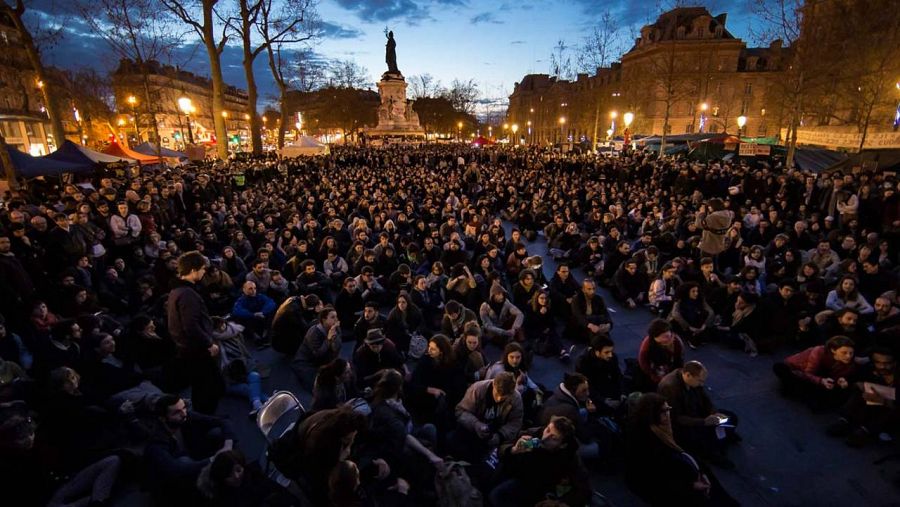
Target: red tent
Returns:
[118, 150]
[482, 141]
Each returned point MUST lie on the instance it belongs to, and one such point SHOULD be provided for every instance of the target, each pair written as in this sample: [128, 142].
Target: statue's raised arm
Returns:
[391, 53]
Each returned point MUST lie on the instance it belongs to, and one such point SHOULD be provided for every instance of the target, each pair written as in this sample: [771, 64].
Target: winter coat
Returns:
[471, 410]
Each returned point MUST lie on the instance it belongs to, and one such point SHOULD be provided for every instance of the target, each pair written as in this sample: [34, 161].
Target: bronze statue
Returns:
[391, 54]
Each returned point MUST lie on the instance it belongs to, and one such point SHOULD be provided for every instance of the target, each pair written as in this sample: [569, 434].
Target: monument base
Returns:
[397, 121]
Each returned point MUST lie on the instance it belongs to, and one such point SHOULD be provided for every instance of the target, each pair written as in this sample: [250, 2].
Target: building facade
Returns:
[22, 116]
[685, 74]
[166, 87]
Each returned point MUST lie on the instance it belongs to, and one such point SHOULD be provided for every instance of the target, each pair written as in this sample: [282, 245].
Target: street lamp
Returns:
[515, 128]
[132, 101]
[562, 125]
[459, 132]
[741, 121]
[703, 107]
[612, 121]
[187, 107]
[627, 118]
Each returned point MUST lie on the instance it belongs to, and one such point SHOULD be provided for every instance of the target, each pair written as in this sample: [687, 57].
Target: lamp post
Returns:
[187, 107]
[703, 107]
[612, 121]
[562, 126]
[741, 121]
[529, 135]
[225, 121]
[132, 101]
[627, 118]
[515, 129]
[459, 132]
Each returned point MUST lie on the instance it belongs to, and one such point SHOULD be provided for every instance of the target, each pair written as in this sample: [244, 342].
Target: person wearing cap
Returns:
[190, 327]
[377, 353]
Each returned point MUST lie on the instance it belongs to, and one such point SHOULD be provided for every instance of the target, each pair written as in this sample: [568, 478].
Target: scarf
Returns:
[739, 315]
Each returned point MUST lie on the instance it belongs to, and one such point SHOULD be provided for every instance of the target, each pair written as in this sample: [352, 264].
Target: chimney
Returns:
[721, 18]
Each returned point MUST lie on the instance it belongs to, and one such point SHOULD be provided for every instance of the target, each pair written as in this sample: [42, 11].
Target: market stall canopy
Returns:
[482, 141]
[118, 150]
[148, 148]
[304, 145]
[32, 167]
[817, 159]
[71, 152]
[869, 160]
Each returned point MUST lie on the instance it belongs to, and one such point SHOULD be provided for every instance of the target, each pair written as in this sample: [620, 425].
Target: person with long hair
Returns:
[657, 469]
[540, 327]
[661, 352]
[334, 385]
[691, 314]
[404, 320]
[469, 353]
[846, 295]
[437, 383]
[662, 290]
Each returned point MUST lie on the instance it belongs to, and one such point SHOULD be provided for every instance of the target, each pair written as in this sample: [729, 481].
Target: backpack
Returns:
[417, 346]
[454, 488]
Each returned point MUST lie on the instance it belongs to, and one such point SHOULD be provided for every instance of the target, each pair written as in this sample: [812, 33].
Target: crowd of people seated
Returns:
[119, 293]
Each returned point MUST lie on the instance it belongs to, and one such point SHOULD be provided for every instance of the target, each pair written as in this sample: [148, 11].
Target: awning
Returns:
[32, 167]
[118, 150]
[71, 152]
[148, 148]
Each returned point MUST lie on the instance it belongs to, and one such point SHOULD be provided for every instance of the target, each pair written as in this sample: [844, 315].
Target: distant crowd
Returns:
[131, 304]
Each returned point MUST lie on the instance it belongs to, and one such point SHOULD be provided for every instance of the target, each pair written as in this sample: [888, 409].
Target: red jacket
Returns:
[816, 363]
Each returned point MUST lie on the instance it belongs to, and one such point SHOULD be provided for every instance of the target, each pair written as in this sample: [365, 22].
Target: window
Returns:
[10, 129]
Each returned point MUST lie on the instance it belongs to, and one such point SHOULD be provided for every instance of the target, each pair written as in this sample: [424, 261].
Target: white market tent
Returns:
[304, 145]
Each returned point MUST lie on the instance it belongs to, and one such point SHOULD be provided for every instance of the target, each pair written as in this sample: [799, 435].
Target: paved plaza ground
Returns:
[785, 458]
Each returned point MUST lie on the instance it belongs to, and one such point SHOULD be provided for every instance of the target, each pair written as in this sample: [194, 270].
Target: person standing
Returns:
[191, 329]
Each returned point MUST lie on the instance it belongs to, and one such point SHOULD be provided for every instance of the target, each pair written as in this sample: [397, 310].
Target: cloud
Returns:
[384, 10]
[516, 42]
[484, 18]
[336, 31]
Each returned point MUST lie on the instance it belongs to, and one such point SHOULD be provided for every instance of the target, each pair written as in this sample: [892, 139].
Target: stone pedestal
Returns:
[396, 119]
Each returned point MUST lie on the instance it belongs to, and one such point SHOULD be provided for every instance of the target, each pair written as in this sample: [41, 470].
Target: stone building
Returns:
[168, 84]
[22, 116]
[686, 73]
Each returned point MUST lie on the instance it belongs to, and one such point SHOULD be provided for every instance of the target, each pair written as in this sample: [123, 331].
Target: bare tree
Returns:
[308, 71]
[668, 82]
[561, 66]
[424, 85]
[205, 26]
[603, 45]
[137, 30]
[348, 74]
[26, 37]
[463, 95]
[287, 22]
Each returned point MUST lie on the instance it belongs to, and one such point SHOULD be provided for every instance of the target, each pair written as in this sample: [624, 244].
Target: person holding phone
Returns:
[698, 425]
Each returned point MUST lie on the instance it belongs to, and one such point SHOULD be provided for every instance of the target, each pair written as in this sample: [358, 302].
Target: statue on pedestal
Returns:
[391, 54]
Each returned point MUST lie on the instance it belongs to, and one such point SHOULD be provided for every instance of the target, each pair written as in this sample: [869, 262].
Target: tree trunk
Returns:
[249, 57]
[8, 169]
[662, 140]
[218, 82]
[865, 127]
[34, 57]
[284, 118]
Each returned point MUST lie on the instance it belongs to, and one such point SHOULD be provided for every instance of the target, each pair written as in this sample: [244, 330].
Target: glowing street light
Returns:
[562, 125]
[187, 107]
[224, 114]
[628, 118]
[459, 131]
[515, 128]
[741, 121]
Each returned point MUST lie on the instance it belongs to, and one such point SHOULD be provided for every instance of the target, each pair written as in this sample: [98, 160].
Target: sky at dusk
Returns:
[493, 42]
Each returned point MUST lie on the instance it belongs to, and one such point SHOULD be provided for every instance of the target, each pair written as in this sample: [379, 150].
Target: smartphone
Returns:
[723, 419]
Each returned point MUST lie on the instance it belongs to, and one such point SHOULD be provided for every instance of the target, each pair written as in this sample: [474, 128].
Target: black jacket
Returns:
[189, 323]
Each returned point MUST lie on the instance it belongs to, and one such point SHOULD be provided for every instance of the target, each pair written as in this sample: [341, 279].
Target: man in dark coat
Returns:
[191, 329]
[590, 318]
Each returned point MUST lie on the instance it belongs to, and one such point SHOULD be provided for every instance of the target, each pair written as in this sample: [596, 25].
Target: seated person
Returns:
[513, 361]
[403, 321]
[540, 327]
[784, 311]
[254, 311]
[886, 315]
[691, 315]
[456, 316]
[590, 318]
[469, 355]
[661, 352]
[571, 399]
[489, 415]
[239, 367]
[334, 385]
[290, 322]
[377, 353]
[630, 285]
[369, 320]
[563, 288]
[600, 365]
[542, 464]
[181, 444]
[501, 320]
[368, 286]
[426, 302]
[821, 375]
[437, 384]
[349, 302]
[657, 469]
[844, 322]
[868, 414]
[694, 417]
[321, 345]
[311, 281]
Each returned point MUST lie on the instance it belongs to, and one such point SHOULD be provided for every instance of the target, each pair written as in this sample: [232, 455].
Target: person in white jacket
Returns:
[125, 226]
